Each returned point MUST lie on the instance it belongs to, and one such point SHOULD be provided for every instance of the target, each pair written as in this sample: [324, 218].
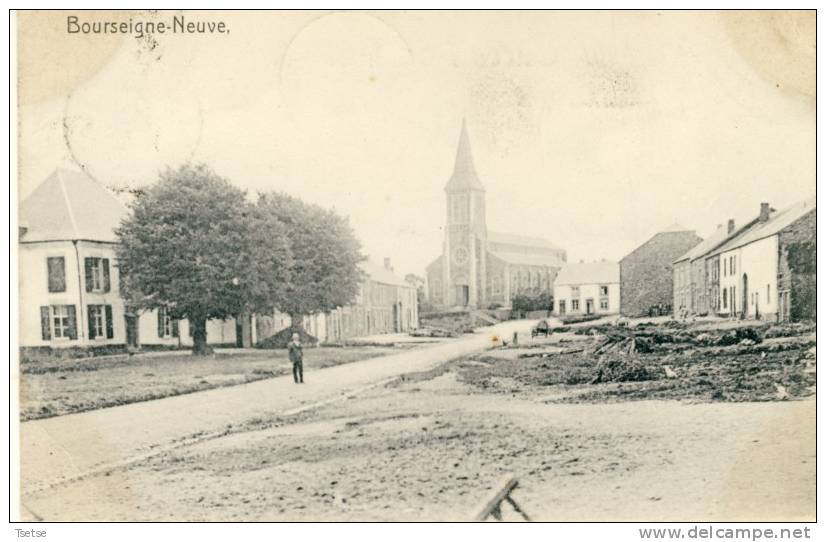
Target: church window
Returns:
[497, 285]
[437, 287]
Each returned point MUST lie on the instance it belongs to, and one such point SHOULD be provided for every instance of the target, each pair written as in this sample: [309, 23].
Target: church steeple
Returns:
[464, 172]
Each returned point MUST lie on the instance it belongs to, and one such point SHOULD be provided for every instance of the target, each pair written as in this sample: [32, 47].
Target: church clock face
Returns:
[460, 255]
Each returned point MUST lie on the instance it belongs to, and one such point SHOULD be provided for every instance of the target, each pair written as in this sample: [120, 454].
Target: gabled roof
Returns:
[519, 240]
[69, 206]
[679, 233]
[520, 258]
[464, 171]
[707, 245]
[778, 220]
[588, 273]
[381, 274]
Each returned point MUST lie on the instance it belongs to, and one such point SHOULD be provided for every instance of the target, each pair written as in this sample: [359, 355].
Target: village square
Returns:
[198, 347]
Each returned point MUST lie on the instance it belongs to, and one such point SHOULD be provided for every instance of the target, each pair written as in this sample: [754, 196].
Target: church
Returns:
[479, 268]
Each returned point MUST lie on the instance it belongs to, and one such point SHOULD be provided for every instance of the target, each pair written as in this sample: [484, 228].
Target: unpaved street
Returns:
[431, 448]
[66, 447]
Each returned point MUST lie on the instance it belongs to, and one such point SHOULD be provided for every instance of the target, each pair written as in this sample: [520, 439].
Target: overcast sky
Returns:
[593, 130]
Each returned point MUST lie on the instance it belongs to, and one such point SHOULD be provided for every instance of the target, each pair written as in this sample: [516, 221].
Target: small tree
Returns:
[324, 273]
[196, 247]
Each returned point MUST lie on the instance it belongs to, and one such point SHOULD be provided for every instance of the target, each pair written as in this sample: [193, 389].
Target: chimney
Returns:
[764, 212]
[730, 226]
[387, 264]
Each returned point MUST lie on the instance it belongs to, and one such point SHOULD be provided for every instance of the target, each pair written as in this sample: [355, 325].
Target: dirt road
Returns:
[64, 448]
[431, 448]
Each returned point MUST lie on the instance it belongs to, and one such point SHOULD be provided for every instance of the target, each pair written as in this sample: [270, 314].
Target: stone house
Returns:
[768, 270]
[647, 275]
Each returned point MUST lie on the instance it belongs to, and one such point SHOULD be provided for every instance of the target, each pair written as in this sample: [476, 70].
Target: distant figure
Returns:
[297, 357]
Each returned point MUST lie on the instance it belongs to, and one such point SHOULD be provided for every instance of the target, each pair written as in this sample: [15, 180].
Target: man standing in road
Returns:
[297, 357]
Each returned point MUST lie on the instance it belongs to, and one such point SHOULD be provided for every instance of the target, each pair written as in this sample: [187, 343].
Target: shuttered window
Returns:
[63, 321]
[97, 275]
[57, 274]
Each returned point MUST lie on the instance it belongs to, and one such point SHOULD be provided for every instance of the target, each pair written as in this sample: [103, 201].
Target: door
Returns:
[589, 306]
[131, 330]
[745, 312]
[463, 297]
[396, 324]
[561, 307]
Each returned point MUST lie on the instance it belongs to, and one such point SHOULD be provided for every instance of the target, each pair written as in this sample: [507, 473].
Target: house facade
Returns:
[386, 303]
[768, 270]
[587, 288]
[479, 268]
[69, 283]
[647, 274]
[696, 278]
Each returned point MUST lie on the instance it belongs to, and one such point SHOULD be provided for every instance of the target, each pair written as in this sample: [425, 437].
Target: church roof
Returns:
[519, 240]
[68, 206]
[464, 171]
[588, 273]
[519, 258]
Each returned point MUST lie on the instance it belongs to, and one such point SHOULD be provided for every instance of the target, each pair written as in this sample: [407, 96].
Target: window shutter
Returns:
[90, 316]
[175, 330]
[57, 274]
[45, 323]
[88, 265]
[107, 286]
[110, 325]
[160, 322]
[72, 322]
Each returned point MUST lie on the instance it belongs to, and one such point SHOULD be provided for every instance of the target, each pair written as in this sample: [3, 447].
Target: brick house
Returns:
[646, 274]
[768, 270]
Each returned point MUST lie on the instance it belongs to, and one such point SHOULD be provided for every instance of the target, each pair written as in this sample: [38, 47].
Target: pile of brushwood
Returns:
[726, 362]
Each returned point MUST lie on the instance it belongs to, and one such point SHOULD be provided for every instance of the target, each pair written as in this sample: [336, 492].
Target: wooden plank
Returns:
[491, 506]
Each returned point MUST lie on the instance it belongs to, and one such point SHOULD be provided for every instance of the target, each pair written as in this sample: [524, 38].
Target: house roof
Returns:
[464, 171]
[778, 220]
[678, 233]
[520, 258]
[68, 206]
[381, 274]
[707, 245]
[520, 240]
[588, 273]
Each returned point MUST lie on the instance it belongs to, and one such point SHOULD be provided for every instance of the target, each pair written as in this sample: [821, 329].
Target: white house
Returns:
[754, 272]
[587, 288]
[69, 282]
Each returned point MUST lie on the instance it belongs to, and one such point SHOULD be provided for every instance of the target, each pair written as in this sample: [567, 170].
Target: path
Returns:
[63, 448]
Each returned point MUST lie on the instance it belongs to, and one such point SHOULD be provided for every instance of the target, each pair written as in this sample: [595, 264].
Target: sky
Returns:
[593, 130]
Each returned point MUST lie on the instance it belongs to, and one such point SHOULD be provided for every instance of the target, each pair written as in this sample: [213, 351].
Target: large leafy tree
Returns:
[325, 255]
[194, 245]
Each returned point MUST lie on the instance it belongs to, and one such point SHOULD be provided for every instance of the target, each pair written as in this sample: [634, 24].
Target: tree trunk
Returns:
[199, 337]
[296, 323]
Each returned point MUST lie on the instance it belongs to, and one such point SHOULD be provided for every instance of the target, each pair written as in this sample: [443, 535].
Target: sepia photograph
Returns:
[414, 266]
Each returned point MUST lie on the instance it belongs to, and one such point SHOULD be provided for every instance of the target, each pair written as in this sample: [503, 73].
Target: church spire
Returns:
[464, 172]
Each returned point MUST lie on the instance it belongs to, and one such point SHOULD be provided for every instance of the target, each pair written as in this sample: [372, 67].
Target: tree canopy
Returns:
[325, 255]
[194, 245]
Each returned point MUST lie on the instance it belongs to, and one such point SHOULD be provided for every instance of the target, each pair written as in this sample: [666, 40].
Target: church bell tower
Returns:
[465, 244]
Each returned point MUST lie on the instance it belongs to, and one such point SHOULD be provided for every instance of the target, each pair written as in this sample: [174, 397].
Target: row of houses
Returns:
[765, 269]
[70, 286]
